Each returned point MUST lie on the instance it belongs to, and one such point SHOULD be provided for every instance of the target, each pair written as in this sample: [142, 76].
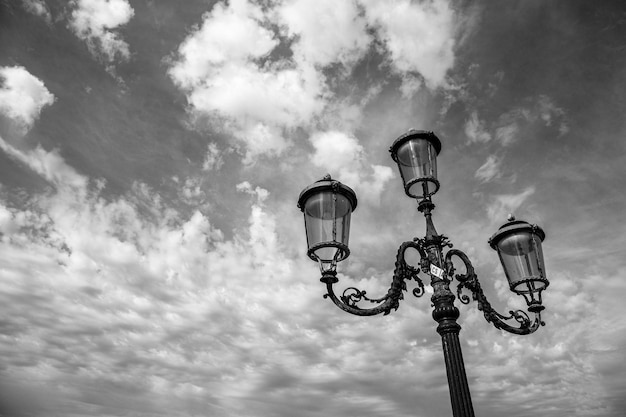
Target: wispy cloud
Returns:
[38, 8]
[213, 159]
[490, 169]
[550, 113]
[475, 129]
[50, 165]
[504, 204]
[540, 111]
[507, 133]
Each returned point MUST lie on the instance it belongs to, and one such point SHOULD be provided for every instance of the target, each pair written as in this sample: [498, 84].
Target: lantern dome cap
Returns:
[327, 183]
[513, 226]
[415, 134]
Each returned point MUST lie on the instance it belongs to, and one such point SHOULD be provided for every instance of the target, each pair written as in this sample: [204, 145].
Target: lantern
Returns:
[518, 244]
[416, 152]
[327, 206]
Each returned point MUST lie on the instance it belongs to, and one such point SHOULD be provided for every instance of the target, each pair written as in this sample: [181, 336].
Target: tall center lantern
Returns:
[416, 152]
[327, 205]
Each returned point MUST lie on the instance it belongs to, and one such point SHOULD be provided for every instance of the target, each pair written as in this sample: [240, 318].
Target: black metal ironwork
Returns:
[436, 260]
[469, 280]
[441, 270]
[391, 301]
[430, 249]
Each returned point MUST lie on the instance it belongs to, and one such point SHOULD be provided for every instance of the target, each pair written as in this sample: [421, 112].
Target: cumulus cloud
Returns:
[229, 33]
[418, 35]
[22, 96]
[219, 68]
[336, 151]
[134, 306]
[128, 302]
[261, 72]
[105, 305]
[260, 193]
[340, 153]
[96, 22]
[326, 31]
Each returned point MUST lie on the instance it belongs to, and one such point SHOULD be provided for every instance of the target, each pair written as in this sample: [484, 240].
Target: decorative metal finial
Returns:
[510, 217]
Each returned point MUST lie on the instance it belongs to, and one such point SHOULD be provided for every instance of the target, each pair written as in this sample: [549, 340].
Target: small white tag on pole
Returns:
[436, 271]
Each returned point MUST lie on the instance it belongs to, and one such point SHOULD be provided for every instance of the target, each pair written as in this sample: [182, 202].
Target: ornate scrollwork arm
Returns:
[469, 281]
[352, 296]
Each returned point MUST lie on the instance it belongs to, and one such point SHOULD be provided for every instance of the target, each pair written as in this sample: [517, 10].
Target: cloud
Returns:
[475, 130]
[22, 96]
[260, 193]
[507, 134]
[418, 35]
[343, 156]
[96, 21]
[549, 112]
[146, 300]
[504, 204]
[160, 308]
[38, 8]
[336, 151]
[325, 32]
[221, 70]
[155, 308]
[50, 165]
[213, 160]
[540, 111]
[260, 73]
[489, 170]
[229, 33]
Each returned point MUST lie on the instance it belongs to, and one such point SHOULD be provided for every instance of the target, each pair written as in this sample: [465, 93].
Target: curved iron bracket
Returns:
[469, 281]
[352, 296]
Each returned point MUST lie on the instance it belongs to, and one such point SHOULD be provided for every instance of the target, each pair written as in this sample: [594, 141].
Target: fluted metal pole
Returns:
[446, 314]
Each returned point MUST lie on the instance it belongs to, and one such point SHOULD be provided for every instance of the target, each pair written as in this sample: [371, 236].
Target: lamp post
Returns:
[327, 206]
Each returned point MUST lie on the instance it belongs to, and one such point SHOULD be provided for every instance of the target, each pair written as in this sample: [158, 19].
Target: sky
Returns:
[152, 257]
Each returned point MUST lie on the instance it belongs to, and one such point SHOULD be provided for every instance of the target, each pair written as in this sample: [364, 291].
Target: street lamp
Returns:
[328, 205]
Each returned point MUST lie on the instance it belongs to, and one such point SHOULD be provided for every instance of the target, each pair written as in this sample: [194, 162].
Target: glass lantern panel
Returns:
[327, 220]
[522, 259]
[417, 159]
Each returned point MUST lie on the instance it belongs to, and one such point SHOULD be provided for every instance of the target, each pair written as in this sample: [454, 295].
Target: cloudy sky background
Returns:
[152, 258]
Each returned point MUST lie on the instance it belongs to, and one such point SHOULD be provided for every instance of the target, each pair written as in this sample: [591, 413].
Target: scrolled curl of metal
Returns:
[469, 281]
[351, 296]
